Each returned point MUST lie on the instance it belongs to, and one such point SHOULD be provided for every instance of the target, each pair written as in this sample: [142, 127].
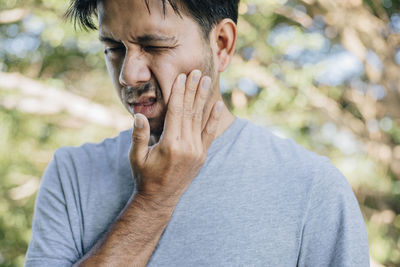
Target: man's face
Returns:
[145, 52]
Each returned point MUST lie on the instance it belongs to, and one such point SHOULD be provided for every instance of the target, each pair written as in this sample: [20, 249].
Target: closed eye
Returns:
[150, 48]
[116, 49]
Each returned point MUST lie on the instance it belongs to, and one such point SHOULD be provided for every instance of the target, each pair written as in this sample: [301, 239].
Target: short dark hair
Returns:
[207, 13]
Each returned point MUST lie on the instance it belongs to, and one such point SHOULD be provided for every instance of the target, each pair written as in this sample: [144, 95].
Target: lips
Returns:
[145, 106]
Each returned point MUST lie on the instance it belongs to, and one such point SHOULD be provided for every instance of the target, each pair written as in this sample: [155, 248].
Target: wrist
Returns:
[155, 203]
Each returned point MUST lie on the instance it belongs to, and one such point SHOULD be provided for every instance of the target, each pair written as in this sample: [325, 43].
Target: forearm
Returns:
[133, 237]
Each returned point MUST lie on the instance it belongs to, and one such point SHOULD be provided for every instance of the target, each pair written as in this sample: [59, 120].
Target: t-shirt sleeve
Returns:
[52, 242]
[334, 232]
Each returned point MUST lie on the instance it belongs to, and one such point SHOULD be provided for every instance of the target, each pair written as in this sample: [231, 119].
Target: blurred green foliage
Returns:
[324, 73]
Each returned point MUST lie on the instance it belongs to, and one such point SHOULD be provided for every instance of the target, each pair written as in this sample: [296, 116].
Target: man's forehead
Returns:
[145, 22]
[112, 9]
[144, 36]
[141, 39]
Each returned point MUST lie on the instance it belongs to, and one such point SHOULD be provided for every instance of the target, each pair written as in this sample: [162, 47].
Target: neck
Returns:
[226, 120]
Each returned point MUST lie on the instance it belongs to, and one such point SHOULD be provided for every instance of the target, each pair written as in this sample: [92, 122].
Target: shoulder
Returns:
[279, 150]
[89, 163]
[276, 144]
[293, 163]
[92, 169]
[107, 149]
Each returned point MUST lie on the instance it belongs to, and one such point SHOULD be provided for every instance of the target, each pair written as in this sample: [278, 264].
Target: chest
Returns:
[230, 220]
[233, 214]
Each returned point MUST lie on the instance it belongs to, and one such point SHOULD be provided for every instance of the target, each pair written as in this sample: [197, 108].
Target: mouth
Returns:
[146, 106]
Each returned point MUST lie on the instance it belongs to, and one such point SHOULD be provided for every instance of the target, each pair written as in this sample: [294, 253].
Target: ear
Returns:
[224, 38]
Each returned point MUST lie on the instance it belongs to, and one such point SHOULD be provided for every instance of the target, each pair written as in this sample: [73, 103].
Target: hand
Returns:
[164, 171]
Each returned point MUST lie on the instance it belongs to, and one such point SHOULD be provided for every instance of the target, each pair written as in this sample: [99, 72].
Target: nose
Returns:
[135, 70]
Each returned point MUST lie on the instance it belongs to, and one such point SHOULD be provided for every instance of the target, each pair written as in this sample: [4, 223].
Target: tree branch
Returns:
[13, 15]
[38, 98]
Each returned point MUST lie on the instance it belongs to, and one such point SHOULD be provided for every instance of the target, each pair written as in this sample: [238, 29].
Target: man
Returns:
[190, 185]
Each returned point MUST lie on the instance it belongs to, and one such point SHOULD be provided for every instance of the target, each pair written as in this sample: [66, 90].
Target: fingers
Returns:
[192, 85]
[210, 130]
[185, 112]
[199, 104]
[173, 118]
[140, 140]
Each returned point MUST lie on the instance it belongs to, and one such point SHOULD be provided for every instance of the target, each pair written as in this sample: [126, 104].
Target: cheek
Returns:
[167, 70]
[113, 69]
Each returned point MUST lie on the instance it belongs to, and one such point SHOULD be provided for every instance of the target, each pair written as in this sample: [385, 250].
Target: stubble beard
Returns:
[157, 123]
[208, 70]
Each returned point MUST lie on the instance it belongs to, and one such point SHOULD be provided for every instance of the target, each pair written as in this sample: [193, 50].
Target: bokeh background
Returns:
[323, 72]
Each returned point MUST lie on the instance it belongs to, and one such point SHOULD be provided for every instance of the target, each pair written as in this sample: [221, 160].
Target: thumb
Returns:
[140, 139]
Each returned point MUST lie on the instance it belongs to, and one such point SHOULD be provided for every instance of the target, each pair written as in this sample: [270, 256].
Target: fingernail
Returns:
[138, 122]
[206, 83]
[196, 76]
[219, 106]
[182, 79]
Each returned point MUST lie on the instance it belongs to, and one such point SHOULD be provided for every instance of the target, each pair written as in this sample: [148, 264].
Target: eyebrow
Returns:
[143, 39]
[108, 40]
[148, 38]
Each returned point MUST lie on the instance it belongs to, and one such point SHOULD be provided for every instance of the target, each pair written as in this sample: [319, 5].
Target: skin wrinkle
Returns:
[144, 39]
[148, 38]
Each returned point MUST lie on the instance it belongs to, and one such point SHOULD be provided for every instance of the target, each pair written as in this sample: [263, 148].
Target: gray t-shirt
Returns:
[259, 200]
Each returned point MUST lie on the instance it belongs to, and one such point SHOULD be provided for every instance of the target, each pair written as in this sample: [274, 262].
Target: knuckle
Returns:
[199, 155]
[209, 130]
[191, 150]
[187, 113]
[164, 151]
[172, 150]
[191, 89]
[192, 153]
[178, 92]
[175, 109]
[197, 116]
[202, 95]
[215, 116]
[187, 108]
[200, 101]
[137, 138]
